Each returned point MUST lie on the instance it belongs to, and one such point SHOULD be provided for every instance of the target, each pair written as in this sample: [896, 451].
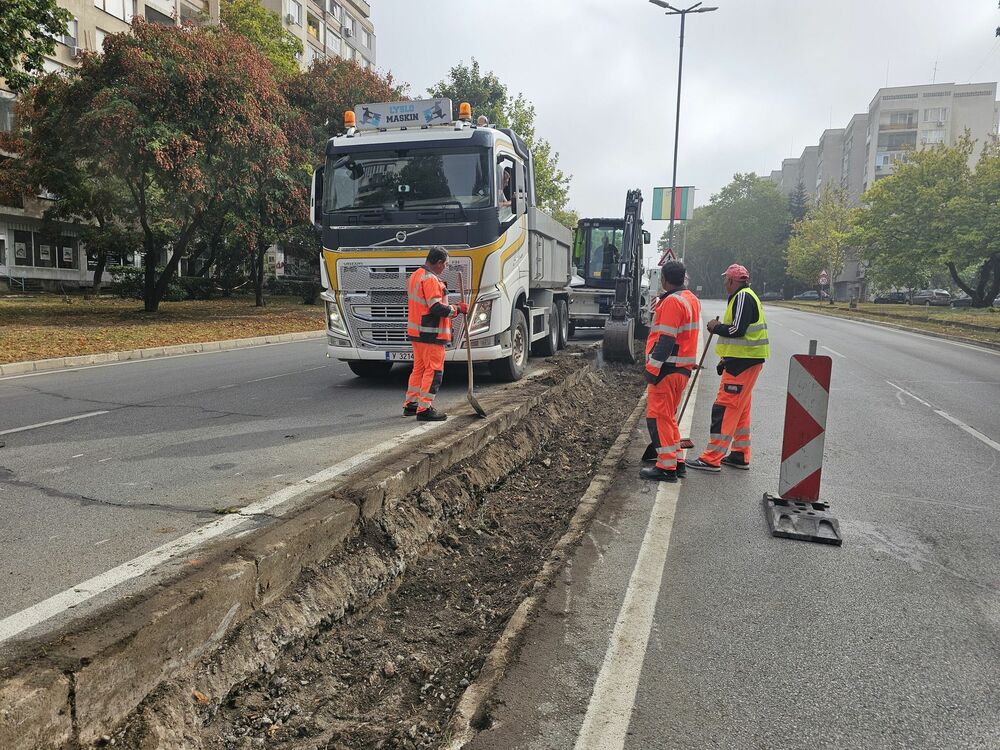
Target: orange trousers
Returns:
[731, 416]
[428, 371]
[662, 400]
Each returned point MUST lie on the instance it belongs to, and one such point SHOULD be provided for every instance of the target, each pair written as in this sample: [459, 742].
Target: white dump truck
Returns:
[406, 177]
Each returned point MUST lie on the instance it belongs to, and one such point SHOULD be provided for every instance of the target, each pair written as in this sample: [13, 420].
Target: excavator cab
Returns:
[598, 252]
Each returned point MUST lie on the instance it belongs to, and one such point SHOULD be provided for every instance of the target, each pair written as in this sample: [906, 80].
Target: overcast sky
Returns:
[762, 78]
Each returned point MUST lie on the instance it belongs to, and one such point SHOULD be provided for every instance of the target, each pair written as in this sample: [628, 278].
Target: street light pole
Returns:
[672, 11]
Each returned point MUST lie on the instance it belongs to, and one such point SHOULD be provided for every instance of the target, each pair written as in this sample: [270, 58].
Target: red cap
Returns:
[736, 272]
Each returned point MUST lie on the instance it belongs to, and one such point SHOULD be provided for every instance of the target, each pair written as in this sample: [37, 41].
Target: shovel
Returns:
[468, 350]
[650, 452]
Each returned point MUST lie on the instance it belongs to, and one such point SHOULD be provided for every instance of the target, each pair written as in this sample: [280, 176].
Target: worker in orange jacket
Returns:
[671, 354]
[428, 328]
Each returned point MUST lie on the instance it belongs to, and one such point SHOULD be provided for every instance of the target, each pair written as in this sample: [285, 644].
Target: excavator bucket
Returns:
[619, 343]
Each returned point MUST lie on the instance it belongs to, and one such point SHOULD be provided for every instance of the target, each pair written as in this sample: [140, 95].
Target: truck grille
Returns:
[374, 298]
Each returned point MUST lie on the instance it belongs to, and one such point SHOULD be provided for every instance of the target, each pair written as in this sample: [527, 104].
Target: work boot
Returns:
[433, 415]
[681, 470]
[409, 410]
[656, 474]
[736, 460]
[697, 463]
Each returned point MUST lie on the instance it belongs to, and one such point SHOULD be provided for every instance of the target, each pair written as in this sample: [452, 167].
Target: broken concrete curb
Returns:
[153, 352]
[469, 713]
[250, 595]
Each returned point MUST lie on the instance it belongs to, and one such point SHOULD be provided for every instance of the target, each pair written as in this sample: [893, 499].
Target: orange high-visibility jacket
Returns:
[427, 313]
[672, 344]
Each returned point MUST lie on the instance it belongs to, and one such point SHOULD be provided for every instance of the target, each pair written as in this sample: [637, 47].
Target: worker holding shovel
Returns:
[743, 347]
[671, 352]
[428, 328]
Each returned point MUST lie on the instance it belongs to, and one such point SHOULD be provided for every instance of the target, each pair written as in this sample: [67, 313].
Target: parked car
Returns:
[891, 298]
[962, 300]
[996, 302]
[808, 294]
[929, 297]
[770, 296]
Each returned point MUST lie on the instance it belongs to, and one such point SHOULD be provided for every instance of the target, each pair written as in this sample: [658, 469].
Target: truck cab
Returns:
[411, 178]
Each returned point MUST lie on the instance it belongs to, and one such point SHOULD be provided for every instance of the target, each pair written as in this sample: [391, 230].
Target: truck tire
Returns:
[563, 309]
[512, 368]
[368, 368]
[549, 345]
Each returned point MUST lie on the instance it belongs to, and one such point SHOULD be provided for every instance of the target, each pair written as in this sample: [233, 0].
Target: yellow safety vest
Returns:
[754, 344]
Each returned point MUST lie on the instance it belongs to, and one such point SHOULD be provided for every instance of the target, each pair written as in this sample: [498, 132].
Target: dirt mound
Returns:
[388, 673]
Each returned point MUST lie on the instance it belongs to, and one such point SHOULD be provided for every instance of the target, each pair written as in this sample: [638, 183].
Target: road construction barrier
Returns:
[796, 512]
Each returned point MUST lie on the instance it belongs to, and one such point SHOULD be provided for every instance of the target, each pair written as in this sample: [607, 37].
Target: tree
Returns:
[798, 202]
[28, 29]
[934, 213]
[179, 121]
[819, 241]
[265, 31]
[489, 97]
[331, 87]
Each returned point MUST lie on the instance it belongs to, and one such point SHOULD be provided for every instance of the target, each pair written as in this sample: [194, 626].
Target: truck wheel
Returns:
[512, 368]
[549, 345]
[563, 309]
[367, 368]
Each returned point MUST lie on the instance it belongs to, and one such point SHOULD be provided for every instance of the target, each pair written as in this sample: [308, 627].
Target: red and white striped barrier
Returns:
[805, 427]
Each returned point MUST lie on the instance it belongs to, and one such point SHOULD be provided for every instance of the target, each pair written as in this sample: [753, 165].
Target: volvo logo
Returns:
[401, 236]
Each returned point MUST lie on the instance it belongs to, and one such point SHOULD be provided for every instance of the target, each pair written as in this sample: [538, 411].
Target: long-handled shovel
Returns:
[650, 453]
[468, 350]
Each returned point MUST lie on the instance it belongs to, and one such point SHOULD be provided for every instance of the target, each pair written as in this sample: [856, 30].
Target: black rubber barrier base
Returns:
[797, 519]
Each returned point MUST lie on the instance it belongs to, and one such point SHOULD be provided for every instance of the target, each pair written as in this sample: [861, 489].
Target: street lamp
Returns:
[672, 11]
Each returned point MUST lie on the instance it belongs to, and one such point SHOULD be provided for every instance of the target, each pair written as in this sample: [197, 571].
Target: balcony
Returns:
[912, 125]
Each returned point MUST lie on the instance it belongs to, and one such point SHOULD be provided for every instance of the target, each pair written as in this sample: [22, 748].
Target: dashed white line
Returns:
[103, 541]
[797, 333]
[287, 374]
[64, 420]
[76, 595]
[835, 353]
[957, 422]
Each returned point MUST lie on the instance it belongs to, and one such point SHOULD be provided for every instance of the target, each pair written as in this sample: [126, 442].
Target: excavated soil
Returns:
[390, 675]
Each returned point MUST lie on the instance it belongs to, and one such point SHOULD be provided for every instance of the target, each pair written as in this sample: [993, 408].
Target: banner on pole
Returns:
[681, 207]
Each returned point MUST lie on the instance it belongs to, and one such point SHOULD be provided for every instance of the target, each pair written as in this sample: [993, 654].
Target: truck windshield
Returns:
[417, 178]
[598, 251]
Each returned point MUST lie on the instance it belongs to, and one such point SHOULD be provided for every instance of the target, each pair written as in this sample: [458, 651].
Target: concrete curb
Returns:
[153, 352]
[470, 709]
[907, 329]
[74, 686]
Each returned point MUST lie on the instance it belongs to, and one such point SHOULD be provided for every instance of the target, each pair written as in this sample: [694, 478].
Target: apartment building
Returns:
[911, 118]
[854, 154]
[329, 28]
[829, 160]
[789, 176]
[31, 259]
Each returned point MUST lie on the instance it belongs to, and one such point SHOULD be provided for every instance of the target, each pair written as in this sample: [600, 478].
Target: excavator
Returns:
[608, 289]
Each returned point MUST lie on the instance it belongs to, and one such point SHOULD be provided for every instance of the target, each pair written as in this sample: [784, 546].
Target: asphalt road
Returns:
[890, 641]
[163, 445]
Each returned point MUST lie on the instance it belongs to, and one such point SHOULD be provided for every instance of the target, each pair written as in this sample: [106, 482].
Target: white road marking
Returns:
[957, 422]
[224, 387]
[103, 541]
[797, 333]
[104, 460]
[925, 337]
[287, 374]
[78, 455]
[836, 353]
[609, 712]
[64, 420]
[76, 595]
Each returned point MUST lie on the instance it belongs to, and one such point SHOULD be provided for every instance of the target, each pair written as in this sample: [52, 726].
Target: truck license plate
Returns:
[399, 356]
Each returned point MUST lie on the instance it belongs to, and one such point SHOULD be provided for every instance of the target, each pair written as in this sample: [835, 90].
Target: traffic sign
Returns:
[668, 255]
[824, 278]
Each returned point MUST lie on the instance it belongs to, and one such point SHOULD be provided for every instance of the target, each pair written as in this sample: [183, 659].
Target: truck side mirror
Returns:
[316, 201]
[646, 239]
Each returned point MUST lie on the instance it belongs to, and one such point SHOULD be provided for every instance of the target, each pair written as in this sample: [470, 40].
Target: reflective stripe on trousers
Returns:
[663, 398]
[731, 416]
[428, 371]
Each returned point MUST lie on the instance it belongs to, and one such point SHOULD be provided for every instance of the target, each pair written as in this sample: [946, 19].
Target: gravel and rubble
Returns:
[388, 673]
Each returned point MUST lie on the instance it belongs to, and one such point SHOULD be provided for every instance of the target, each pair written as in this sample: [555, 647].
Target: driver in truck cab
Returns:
[428, 329]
